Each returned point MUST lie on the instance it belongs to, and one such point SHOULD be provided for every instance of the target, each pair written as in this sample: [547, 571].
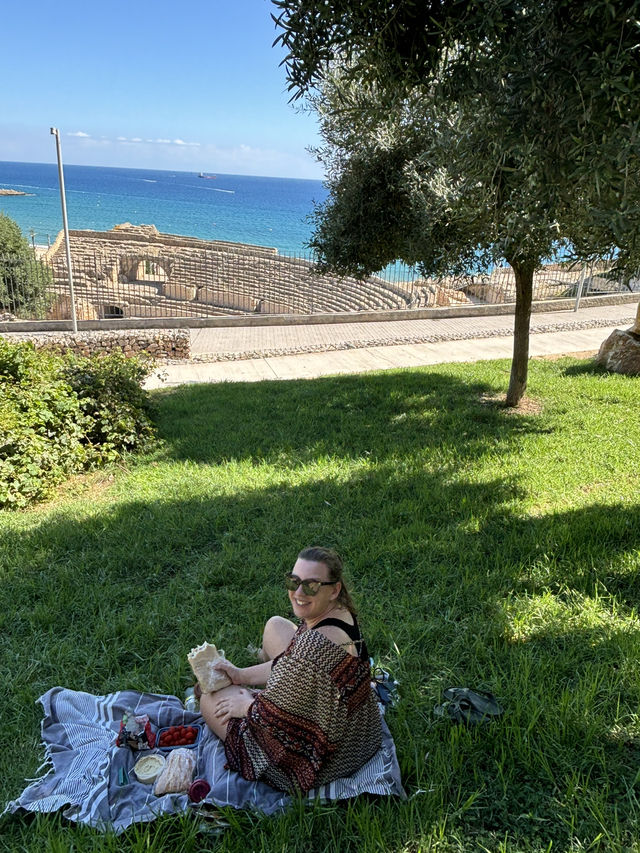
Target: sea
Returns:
[246, 209]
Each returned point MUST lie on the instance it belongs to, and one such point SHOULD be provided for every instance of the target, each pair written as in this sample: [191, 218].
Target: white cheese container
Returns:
[148, 768]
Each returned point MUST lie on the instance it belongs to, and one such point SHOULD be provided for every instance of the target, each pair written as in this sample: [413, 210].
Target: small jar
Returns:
[199, 790]
[191, 701]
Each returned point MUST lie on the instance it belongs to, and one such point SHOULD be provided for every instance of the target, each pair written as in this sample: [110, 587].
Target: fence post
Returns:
[583, 273]
[74, 321]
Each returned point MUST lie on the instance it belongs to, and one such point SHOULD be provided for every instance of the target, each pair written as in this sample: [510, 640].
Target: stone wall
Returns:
[127, 239]
[161, 344]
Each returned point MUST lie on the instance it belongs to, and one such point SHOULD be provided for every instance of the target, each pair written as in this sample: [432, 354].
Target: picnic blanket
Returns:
[79, 732]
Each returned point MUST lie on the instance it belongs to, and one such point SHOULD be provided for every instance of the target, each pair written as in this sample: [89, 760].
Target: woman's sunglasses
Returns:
[310, 587]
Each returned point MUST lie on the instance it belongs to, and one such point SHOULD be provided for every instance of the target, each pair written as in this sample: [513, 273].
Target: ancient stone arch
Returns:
[151, 269]
[145, 267]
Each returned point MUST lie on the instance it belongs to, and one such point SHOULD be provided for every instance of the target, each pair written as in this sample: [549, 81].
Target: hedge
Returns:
[62, 414]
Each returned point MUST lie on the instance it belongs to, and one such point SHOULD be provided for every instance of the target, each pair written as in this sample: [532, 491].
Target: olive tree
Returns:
[456, 135]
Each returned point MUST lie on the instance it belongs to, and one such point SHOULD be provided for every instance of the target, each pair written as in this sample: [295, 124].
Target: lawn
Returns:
[486, 548]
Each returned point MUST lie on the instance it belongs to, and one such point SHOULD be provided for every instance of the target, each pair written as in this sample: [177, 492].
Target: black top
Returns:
[352, 631]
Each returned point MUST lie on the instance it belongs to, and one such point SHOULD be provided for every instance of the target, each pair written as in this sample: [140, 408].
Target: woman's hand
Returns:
[231, 671]
[235, 705]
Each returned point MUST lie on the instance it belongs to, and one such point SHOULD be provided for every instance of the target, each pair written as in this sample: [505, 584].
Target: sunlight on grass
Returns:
[555, 615]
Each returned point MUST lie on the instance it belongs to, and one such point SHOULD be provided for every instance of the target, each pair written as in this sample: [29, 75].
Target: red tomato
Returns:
[178, 735]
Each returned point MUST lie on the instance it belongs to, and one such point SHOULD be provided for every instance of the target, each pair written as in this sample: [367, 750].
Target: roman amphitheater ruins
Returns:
[135, 271]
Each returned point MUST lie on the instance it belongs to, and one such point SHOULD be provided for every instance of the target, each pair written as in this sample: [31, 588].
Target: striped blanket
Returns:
[79, 731]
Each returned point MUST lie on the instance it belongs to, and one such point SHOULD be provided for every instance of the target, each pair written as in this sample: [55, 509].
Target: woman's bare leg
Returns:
[278, 633]
[209, 708]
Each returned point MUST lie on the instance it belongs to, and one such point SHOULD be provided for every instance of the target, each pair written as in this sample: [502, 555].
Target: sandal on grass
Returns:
[467, 706]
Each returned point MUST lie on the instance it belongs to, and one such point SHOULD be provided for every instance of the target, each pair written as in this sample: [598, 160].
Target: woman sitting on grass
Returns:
[317, 719]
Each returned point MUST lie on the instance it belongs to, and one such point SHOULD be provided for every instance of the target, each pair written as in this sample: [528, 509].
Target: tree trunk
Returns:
[520, 365]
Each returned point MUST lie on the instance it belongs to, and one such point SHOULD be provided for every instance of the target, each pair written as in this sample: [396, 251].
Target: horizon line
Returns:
[169, 171]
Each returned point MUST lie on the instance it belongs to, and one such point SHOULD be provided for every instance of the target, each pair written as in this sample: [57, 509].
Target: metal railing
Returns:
[188, 283]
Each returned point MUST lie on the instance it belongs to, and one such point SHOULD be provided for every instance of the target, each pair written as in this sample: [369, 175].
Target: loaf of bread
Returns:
[177, 773]
[202, 660]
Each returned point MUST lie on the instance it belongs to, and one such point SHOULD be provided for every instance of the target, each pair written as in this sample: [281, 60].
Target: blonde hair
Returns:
[332, 560]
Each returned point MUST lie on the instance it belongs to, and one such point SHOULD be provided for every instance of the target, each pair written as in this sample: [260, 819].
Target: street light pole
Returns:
[583, 275]
[63, 201]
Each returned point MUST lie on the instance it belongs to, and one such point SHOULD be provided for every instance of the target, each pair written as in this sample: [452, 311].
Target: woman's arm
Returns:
[257, 675]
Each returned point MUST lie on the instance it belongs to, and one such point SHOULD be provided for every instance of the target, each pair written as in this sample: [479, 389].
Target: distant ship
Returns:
[207, 177]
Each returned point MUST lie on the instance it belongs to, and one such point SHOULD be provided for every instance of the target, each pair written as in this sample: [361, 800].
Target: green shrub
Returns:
[61, 414]
[109, 389]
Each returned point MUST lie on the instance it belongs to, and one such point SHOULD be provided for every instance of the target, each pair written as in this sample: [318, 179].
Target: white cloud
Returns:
[181, 143]
[79, 133]
[243, 158]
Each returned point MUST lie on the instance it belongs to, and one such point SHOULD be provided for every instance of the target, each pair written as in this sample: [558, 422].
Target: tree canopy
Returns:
[12, 240]
[459, 133]
[23, 279]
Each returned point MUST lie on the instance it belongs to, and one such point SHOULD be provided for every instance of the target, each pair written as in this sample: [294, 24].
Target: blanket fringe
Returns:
[47, 761]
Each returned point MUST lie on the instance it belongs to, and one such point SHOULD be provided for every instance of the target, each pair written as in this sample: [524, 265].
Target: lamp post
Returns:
[583, 274]
[63, 201]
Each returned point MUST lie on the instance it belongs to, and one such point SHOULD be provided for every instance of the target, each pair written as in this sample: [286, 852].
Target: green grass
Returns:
[486, 548]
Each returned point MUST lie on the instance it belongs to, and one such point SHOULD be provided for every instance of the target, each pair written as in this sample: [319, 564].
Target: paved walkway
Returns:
[251, 354]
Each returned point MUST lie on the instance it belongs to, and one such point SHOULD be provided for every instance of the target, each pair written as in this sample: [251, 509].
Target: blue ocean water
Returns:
[262, 211]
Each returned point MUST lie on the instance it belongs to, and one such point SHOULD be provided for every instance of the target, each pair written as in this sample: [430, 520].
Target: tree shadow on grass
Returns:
[294, 422]
[588, 367]
[593, 550]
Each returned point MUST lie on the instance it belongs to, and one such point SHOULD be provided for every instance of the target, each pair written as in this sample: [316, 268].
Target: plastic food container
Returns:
[168, 747]
[149, 767]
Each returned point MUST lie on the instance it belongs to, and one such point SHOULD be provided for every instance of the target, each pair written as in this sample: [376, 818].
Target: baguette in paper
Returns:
[202, 660]
[176, 774]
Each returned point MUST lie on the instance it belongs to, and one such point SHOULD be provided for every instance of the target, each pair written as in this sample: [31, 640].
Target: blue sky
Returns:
[193, 86]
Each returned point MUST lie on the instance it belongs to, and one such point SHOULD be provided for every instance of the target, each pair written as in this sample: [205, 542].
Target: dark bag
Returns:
[384, 685]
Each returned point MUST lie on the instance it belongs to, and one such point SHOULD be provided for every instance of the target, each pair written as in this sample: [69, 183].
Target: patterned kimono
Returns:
[317, 719]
